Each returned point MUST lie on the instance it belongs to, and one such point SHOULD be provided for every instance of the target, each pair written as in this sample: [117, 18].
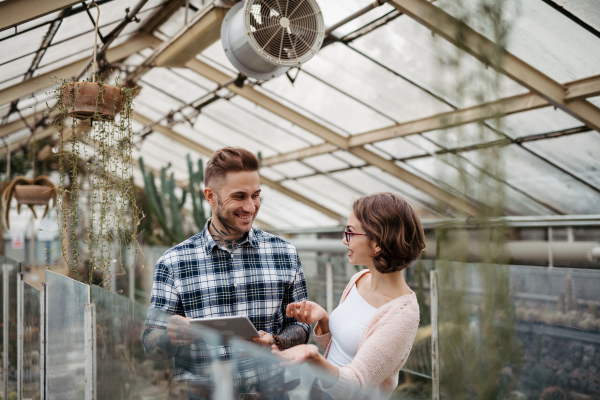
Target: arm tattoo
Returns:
[292, 335]
[225, 238]
[158, 346]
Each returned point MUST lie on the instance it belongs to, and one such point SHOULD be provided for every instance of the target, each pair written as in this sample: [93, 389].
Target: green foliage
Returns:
[166, 207]
[96, 158]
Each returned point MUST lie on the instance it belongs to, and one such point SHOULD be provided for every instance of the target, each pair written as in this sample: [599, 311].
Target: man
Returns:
[230, 268]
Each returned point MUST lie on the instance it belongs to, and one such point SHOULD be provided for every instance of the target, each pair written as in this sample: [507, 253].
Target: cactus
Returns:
[159, 203]
[196, 178]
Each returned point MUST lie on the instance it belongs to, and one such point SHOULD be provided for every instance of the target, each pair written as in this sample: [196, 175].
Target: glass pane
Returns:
[31, 342]
[347, 70]
[65, 357]
[535, 121]
[532, 330]
[407, 47]
[576, 153]
[12, 267]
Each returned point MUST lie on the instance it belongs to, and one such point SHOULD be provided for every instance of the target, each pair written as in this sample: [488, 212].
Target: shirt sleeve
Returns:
[164, 301]
[295, 292]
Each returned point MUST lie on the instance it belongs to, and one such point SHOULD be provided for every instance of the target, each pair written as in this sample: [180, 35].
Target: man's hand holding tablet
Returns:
[180, 332]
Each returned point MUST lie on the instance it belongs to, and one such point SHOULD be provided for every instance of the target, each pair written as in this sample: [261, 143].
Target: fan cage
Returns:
[284, 32]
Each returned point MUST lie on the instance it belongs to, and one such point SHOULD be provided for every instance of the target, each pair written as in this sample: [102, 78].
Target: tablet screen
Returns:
[229, 326]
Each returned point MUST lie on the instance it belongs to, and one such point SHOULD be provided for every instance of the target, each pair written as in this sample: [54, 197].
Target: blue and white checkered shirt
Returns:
[200, 279]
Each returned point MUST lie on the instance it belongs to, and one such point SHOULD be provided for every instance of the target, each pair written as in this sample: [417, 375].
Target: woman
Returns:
[369, 335]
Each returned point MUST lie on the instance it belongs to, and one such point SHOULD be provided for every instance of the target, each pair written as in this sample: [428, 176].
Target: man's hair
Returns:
[228, 159]
[393, 224]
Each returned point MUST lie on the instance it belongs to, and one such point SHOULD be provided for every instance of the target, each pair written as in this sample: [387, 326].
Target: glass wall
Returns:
[8, 299]
[31, 342]
[65, 356]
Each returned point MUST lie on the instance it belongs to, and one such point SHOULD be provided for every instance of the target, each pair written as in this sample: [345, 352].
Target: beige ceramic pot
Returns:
[85, 100]
[33, 194]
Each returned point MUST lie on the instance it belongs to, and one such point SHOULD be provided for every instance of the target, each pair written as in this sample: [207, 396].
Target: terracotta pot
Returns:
[91, 100]
[33, 194]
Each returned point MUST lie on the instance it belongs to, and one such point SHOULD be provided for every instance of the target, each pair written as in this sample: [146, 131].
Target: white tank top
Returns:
[346, 324]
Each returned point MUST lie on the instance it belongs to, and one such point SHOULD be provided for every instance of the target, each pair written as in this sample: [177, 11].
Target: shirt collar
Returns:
[209, 242]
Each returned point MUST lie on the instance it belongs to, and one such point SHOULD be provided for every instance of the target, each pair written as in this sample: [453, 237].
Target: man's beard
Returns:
[228, 221]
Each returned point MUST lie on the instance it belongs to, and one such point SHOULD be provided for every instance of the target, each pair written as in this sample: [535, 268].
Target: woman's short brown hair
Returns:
[228, 159]
[394, 225]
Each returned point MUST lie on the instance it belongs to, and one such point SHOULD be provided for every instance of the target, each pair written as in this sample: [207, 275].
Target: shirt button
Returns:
[235, 285]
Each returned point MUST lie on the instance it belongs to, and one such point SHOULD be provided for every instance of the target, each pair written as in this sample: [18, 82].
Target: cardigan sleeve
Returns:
[322, 339]
[382, 354]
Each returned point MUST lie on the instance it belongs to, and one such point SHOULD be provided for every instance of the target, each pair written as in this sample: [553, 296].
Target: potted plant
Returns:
[95, 157]
[31, 192]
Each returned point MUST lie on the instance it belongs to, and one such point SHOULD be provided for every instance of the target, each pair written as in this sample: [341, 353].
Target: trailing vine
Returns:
[95, 156]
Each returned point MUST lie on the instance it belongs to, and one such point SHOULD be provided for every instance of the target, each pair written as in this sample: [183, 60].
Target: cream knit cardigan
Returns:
[383, 349]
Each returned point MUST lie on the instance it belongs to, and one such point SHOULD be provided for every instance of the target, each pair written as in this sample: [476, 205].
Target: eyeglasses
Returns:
[349, 234]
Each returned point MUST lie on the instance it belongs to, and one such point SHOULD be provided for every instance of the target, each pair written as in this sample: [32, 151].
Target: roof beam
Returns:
[579, 89]
[17, 12]
[332, 138]
[485, 50]
[193, 145]
[44, 81]
[268, 103]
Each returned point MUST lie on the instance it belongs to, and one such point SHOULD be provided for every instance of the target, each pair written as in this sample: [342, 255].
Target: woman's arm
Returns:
[327, 372]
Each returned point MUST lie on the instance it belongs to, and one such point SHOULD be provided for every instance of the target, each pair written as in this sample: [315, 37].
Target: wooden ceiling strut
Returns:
[17, 12]
[332, 138]
[467, 39]
[588, 87]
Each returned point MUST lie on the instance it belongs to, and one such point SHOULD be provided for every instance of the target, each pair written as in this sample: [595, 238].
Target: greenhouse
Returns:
[300, 199]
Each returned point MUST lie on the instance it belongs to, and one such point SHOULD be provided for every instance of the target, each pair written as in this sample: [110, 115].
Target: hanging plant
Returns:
[31, 192]
[95, 126]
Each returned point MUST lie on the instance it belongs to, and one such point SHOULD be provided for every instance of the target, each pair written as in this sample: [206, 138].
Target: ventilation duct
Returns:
[265, 38]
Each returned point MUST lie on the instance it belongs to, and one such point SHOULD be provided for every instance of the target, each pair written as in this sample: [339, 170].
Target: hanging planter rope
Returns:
[92, 100]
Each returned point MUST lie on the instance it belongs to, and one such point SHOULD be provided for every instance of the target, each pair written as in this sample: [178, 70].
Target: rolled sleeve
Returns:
[296, 292]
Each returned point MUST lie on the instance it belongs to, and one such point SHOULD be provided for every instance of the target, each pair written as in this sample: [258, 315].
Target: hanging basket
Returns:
[91, 100]
[34, 194]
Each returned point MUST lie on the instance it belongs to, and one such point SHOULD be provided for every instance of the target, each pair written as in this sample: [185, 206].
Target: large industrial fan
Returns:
[265, 38]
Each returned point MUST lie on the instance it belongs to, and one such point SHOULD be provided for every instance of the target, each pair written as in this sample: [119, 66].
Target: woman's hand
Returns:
[308, 312]
[297, 354]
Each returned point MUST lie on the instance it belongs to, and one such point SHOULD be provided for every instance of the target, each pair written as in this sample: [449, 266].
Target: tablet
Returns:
[229, 326]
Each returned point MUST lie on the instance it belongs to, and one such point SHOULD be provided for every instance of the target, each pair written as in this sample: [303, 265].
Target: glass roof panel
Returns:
[283, 124]
[271, 174]
[336, 10]
[325, 162]
[158, 100]
[28, 25]
[193, 77]
[544, 182]
[399, 186]
[198, 134]
[21, 45]
[543, 38]
[329, 104]
[594, 100]
[319, 194]
[81, 46]
[576, 153]
[10, 82]
[399, 148]
[533, 122]
[363, 20]
[349, 158]
[372, 84]
[293, 169]
[586, 10]
[230, 136]
[465, 135]
[172, 85]
[363, 182]
[407, 47]
[262, 132]
[16, 68]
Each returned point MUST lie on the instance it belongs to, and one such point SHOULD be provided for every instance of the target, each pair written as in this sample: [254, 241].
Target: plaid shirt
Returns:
[200, 279]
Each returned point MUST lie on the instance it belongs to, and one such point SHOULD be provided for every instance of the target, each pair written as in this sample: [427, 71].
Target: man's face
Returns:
[238, 200]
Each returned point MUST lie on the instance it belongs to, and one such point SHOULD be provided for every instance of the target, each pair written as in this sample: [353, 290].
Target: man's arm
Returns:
[157, 345]
[292, 335]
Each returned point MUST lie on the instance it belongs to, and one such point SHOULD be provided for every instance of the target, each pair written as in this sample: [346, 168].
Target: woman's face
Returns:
[361, 249]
